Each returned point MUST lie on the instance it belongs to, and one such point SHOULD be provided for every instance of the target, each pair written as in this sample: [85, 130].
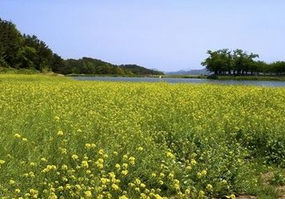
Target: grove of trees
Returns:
[239, 62]
[25, 51]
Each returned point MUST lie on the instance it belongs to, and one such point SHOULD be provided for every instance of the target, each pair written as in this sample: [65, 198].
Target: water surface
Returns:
[185, 80]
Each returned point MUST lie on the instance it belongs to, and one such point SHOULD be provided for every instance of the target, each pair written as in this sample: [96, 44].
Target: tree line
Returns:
[22, 51]
[239, 62]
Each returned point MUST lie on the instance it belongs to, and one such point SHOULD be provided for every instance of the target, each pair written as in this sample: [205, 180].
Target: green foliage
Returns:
[238, 62]
[278, 178]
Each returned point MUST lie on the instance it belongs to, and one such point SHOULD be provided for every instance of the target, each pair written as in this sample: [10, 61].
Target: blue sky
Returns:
[168, 35]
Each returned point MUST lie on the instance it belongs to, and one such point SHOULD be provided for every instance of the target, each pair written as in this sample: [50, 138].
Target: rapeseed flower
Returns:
[123, 197]
[115, 186]
[74, 157]
[132, 160]
[209, 187]
[140, 148]
[12, 182]
[17, 135]
[124, 172]
[60, 133]
[84, 164]
[88, 194]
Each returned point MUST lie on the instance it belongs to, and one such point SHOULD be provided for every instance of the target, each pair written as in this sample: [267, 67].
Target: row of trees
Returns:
[239, 62]
[28, 52]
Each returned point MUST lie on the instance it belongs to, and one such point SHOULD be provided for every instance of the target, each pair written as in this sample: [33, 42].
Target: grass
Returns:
[62, 138]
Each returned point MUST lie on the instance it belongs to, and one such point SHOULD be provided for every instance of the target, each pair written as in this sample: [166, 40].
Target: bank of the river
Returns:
[253, 78]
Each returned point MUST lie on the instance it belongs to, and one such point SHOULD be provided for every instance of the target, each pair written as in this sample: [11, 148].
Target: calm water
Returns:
[185, 80]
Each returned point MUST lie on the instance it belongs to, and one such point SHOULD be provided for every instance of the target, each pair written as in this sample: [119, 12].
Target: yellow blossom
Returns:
[64, 167]
[132, 160]
[56, 118]
[12, 182]
[209, 187]
[101, 151]
[31, 174]
[187, 191]
[74, 157]
[17, 135]
[125, 157]
[157, 196]
[170, 155]
[232, 196]
[88, 194]
[125, 165]
[17, 190]
[162, 175]
[84, 164]
[140, 148]
[60, 133]
[204, 172]
[143, 196]
[142, 185]
[201, 194]
[124, 172]
[117, 166]
[115, 187]
[123, 197]
[193, 162]
[137, 181]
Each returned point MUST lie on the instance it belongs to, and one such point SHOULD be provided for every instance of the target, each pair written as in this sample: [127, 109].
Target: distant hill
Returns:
[190, 72]
[87, 65]
[135, 69]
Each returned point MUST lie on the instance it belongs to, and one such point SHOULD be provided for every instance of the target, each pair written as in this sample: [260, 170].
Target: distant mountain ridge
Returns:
[88, 65]
[203, 71]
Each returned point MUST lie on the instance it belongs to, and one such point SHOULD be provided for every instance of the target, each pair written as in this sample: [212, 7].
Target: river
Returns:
[185, 80]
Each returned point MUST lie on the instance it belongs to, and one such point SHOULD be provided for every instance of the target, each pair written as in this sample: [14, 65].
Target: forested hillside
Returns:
[21, 51]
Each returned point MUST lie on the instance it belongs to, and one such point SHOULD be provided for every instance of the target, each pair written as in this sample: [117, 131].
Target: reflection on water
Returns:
[185, 80]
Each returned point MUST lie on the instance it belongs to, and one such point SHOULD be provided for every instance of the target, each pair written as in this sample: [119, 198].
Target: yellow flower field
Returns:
[62, 138]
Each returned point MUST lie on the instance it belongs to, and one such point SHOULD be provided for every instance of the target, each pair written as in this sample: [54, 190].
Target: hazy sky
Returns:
[168, 35]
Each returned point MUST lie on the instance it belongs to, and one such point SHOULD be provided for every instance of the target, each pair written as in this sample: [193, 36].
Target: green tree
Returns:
[10, 43]
[26, 57]
[44, 55]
